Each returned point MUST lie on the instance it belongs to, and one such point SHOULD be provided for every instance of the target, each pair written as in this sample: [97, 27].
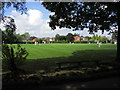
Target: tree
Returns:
[96, 38]
[105, 40]
[79, 15]
[57, 37]
[9, 22]
[9, 37]
[60, 37]
[76, 34]
[19, 6]
[89, 38]
[13, 56]
[70, 37]
[25, 36]
[39, 40]
[32, 37]
[19, 37]
[114, 35]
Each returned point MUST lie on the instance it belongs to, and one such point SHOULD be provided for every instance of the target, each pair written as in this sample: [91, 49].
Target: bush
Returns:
[13, 56]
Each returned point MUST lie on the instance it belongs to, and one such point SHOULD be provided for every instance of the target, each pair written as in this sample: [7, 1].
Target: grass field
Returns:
[44, 56]
[61, 50]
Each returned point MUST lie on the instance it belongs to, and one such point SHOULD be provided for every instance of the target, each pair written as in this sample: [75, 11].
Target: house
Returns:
[33, 40]
[76, 38]
[48, 39]
[106, 37]
[52, 39]
[84, 39]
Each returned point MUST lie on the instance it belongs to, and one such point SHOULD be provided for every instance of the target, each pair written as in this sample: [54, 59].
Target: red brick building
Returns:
[76, 38]
[34, 40]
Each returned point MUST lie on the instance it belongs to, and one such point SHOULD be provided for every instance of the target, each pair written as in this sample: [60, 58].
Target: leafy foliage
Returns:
[39, 40]
[8, 36]
[25, 36]
[13, 56]
[77, 15]
[32, 37]
[60, 37]
[114, 35]
[70, 37]
[19, 6]
[96, 38]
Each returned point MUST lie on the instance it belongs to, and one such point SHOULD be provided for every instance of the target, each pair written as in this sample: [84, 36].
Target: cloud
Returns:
[34, 23]
[35, 17]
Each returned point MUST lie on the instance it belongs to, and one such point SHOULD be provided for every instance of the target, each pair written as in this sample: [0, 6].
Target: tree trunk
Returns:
[118, 37]
[118, 46]
[13, 66]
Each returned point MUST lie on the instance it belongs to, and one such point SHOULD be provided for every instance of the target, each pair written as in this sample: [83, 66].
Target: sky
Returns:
[36, 22]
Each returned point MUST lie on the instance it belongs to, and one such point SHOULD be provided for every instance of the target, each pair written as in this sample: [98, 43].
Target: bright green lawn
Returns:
[60, 50]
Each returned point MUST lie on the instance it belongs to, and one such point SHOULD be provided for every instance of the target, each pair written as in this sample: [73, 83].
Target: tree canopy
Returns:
[19, 6]
[80, 15]
[8, 36]
[70, 37]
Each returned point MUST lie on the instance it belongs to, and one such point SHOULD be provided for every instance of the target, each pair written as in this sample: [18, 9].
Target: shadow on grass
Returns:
[49, 64]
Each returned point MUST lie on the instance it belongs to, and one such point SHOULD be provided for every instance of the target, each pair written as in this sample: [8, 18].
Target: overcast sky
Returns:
[36, 22]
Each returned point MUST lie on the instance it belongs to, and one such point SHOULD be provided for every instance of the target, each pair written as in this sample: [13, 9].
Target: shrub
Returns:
[13, 56]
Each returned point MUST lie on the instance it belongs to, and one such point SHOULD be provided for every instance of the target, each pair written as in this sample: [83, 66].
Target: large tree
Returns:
[19, 5]
[10, 55]
[9, 36]
[79, 15]
[25, 36]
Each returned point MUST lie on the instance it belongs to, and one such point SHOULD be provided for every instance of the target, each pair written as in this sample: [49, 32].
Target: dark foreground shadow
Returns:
[40, 73]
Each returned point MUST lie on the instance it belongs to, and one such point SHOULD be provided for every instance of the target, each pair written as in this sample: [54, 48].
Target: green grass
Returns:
[44, 56]
[61, 50]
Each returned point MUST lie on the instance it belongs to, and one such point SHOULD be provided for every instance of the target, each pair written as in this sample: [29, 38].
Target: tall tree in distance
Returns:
[25, 36]
[70, 37]
[75, 34]
[57, 37]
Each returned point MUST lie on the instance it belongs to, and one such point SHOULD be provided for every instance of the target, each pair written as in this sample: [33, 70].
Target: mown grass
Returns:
[44, 56]
[61, 50]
